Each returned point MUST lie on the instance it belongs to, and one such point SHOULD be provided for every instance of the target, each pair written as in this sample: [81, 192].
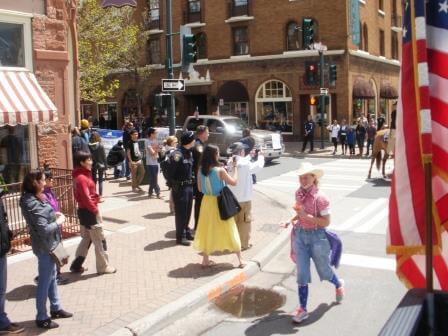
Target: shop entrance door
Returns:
[193, 101]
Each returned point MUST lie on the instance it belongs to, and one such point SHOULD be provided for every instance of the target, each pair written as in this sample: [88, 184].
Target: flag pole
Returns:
[428, 227]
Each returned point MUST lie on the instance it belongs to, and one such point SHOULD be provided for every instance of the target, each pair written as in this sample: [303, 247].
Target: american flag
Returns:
[421, 136]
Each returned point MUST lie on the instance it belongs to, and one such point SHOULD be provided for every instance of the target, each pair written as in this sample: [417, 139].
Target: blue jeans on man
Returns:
[46, 287]
[4, 320]
[153, 172]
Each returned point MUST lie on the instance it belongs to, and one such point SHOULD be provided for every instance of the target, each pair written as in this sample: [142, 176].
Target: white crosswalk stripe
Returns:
[341, 178]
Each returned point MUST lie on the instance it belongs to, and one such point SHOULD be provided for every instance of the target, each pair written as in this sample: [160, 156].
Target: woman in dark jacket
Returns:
[43, 224]
[99, 161]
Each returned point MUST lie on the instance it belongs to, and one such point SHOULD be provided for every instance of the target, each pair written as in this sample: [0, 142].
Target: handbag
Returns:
[228, 204]
[59, 255]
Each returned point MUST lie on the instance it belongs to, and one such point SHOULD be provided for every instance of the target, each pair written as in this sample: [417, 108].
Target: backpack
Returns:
[167, 166]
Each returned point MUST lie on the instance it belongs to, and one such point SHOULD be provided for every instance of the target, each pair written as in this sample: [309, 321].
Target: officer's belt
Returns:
[183, 183]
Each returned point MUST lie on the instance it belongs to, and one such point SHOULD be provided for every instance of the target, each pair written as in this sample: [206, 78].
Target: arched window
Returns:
[365, 37]
[201, 45]
[292, 36]
[273, 102]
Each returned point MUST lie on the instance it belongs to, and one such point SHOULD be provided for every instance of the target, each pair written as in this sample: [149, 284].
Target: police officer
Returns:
[309, 133]
[201, 138]
[182, 180]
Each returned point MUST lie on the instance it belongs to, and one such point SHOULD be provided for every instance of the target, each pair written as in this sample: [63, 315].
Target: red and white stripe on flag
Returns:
[421, 135]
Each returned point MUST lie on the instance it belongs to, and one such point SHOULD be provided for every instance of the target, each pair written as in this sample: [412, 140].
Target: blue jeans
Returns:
[4, 320]
[98, 177]
[312, 244]
[121, 172]
[127, 170]
[46, 287]
[153, 172]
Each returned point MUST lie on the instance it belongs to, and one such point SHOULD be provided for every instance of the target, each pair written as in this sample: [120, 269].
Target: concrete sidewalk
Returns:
[152, 270]
[294, 149]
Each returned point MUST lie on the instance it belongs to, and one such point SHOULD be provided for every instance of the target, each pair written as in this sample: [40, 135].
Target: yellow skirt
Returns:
[214, 234]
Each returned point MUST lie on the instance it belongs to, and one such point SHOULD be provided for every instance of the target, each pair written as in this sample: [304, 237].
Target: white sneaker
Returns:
[300, 315]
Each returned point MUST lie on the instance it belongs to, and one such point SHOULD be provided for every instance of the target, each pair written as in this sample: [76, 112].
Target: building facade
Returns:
[39, 98]
[252, 62]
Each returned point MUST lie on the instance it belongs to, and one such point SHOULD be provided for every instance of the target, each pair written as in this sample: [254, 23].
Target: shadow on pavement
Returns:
[30, 328]
[380, 182]
[74, 277]
[22, 293]
[137, 198]
[115, 220]
[195, 271]
[317, 313]
[158, 215]
[171, 234]
[278, 322]
[160, 245]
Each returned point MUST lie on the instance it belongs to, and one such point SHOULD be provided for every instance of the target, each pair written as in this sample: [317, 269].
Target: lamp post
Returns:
[169, 65]
[320, 49]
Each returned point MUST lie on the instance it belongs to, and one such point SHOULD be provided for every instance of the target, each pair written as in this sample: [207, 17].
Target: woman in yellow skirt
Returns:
[214, 234]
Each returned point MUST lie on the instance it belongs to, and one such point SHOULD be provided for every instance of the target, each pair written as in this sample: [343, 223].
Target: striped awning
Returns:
[22, 100]
[118, 3]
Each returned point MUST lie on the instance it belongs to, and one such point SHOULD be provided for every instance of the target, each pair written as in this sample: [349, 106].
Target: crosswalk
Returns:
[356, 206]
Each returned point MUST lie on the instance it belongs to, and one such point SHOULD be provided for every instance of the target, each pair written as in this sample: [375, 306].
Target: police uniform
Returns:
[197, 153]
[182, 185]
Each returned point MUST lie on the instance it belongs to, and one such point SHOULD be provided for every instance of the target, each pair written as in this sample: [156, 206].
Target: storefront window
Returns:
[14, 153]
[274, 107]
[239, 109]
[12, 53]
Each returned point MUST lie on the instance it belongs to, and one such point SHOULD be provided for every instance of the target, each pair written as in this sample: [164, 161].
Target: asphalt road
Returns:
[359, 215]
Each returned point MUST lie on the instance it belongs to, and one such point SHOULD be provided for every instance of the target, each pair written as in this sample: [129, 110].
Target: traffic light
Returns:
[332, 74]
[311, 73]
[189, 50]
[162, 101]
[307, 33]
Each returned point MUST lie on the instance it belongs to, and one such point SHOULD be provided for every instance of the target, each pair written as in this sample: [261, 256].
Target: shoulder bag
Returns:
[228, 204]
[59, 255]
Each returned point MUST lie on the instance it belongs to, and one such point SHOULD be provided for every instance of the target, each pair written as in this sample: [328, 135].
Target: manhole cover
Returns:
[247, 302]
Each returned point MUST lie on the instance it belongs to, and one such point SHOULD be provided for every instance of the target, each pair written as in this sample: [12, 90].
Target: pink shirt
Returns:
[314, 203]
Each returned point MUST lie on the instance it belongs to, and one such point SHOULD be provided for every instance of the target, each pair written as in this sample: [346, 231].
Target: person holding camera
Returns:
[43, 223]
[247, 166]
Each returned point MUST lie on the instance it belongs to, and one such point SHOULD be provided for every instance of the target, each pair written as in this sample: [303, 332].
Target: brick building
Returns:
[251, 61]
[38, 82]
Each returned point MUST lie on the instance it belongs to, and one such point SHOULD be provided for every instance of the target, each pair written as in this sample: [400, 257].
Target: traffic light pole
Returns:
[169, 65]
[322, 99]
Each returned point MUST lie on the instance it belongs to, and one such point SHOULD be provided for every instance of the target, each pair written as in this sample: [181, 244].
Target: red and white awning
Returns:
[22, 100]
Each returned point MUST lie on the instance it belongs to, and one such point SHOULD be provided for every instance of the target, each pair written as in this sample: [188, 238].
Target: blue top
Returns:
[215, 184]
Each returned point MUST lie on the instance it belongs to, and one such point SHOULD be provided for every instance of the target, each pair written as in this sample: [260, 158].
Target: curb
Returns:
[165, 315]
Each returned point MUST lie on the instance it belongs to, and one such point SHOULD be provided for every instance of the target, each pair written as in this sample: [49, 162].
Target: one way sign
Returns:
[173, 85]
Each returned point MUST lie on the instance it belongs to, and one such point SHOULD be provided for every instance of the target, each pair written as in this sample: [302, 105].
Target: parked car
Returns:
[225, 130]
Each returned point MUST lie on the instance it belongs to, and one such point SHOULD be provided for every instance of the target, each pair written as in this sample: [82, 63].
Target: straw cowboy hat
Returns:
[308, 168]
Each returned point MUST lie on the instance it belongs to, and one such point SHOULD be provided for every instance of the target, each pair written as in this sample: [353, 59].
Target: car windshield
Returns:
[235, 124]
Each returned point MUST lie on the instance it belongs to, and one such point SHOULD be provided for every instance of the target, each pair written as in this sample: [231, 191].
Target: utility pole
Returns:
[169, 65]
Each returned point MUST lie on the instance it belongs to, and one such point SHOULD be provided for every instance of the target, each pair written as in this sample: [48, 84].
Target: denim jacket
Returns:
[41, 220]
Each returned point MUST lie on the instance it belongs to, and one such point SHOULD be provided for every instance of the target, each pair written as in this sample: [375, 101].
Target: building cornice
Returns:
[366, 55]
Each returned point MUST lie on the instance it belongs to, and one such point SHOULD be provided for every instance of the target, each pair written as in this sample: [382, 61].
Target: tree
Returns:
[107, 39]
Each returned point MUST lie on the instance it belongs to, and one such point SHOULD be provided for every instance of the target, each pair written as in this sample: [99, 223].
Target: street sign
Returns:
[323, 91]
[173, 85]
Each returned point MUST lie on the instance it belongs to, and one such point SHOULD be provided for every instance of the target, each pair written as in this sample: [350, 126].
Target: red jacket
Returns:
[85, 190]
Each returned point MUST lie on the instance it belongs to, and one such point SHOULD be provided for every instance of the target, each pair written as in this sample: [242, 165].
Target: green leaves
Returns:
[107, 42]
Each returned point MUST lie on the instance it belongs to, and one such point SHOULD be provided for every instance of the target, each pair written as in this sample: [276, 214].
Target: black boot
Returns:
[76, 266]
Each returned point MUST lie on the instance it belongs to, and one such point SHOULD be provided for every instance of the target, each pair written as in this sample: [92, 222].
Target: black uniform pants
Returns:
[197, 205]
[308, 138]
[183, 205]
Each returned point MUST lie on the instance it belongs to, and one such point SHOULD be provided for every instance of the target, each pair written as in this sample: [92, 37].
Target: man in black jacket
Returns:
[309, 133]
[6, 327]
[202, 135]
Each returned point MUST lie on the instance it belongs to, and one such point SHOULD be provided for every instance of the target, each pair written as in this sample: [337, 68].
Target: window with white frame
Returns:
[15, 41]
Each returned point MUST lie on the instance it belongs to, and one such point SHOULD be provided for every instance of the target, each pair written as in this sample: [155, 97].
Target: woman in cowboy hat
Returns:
[309, 237]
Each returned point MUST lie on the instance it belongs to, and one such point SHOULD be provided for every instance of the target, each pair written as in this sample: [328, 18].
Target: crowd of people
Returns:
[361, 134]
